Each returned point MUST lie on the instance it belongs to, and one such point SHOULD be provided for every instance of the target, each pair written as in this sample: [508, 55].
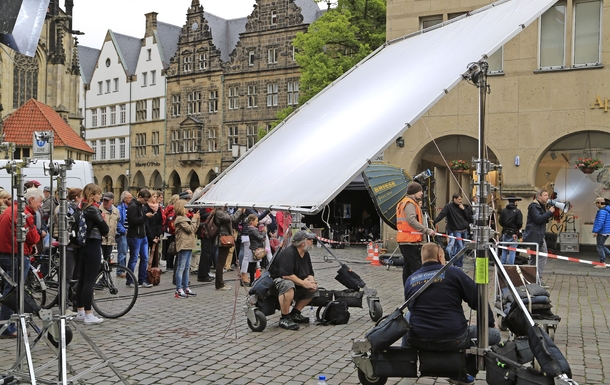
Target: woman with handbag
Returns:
[90, 255]
[225, 240]
[186, 229]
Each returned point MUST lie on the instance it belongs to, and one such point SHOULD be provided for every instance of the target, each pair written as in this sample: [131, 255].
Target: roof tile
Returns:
[33, 116]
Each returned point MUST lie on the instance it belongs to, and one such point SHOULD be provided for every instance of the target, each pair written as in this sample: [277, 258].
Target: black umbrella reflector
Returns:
[387, 185]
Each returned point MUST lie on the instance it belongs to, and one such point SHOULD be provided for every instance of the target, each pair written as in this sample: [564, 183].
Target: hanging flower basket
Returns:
[588, 165]
[458, 166]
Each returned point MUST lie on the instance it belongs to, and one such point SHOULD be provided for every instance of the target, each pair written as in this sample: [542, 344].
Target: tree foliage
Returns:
[336, 42]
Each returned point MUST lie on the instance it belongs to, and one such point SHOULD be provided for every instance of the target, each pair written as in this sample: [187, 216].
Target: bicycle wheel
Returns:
[35, 287]
[111, 297]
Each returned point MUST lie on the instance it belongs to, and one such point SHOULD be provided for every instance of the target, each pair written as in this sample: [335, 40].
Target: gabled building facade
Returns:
[227, 81]
[124, 106]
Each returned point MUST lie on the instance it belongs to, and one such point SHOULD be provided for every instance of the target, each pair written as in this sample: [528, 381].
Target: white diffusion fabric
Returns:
[310, 158]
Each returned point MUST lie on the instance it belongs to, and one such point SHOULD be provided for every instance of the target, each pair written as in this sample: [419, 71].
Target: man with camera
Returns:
[537, 217]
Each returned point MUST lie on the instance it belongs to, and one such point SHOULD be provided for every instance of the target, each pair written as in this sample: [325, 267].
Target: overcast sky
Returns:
[95, 18]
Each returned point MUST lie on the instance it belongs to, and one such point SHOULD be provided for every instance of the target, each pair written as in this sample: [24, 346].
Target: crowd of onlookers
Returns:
[141, 228]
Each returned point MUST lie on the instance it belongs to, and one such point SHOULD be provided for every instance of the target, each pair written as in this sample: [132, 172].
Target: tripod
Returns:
[59, 322]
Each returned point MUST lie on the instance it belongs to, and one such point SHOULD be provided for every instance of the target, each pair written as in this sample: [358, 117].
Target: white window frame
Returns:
[103, 121]
[251, 136]
[116, 84]
[187, 63]
[272, 94]
[144, 79]
[103, 149]
[156, 108]
[252, 102]
[293, 92]
[213, 102]
[272, 56]
[153, 77]
[233, 98]
[430, 21]
[203, 61]
[122, 147]
[112, 146]
[496, 62]
[212, 140]
[112, 115]
[108, 86]
[251, 58]
[94, 117]
[589, 22]
[563, 38]
[176, 105]
[93, 145]
[100, 88]
[232, 137]
[274, 17]
[123, 114]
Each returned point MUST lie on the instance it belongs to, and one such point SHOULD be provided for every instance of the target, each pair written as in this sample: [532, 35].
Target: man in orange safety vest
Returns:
[411, 229]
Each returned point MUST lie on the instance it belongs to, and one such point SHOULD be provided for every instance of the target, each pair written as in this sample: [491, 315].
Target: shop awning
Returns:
[313, 155]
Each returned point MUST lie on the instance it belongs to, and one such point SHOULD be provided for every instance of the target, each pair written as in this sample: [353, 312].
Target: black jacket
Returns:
[96, 226]
[537, 218]
[154, 224]
[457, 219]
[136, 219]
[511, 219]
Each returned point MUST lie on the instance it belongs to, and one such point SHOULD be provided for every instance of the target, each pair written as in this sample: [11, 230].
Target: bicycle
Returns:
[34, 285]
[111, 299]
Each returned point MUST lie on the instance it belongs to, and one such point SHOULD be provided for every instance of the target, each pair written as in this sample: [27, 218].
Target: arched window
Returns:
[25, 79]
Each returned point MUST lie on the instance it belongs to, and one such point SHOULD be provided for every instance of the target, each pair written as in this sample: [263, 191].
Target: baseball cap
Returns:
[35, 183]
[47, 188]
[185, 195]
[600, 200]
[302, 235]
[108, 196]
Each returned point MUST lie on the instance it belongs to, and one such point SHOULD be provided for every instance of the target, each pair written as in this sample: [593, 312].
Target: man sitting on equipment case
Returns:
[293, 278]
[436, 316]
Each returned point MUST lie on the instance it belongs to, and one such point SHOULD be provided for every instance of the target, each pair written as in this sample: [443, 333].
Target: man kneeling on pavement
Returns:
[437, 317]
[293, 278]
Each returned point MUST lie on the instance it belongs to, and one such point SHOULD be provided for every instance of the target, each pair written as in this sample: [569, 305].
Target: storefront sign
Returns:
[600, 103]
[148, 164]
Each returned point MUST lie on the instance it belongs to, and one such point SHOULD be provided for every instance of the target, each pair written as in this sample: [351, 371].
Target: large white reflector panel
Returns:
[308, 160]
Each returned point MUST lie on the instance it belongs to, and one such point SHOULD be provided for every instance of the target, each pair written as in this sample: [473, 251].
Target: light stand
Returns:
[23, 343]
[60, 321]
[477, 75]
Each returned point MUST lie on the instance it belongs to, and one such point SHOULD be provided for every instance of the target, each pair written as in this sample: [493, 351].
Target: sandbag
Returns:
[388, 330]
[551, 360]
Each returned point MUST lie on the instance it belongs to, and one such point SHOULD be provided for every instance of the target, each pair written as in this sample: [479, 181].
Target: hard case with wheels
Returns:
[395, 362]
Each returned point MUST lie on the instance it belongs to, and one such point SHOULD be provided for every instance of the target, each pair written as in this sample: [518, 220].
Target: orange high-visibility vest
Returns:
[404, 229]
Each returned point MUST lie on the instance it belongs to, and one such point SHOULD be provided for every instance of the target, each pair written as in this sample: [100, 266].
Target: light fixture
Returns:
[400, 142]
[553, 155]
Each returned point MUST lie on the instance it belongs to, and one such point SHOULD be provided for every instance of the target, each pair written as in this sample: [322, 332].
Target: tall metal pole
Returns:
[477, 73]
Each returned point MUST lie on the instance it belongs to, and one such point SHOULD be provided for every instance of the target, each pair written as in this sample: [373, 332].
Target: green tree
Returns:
[334, 43]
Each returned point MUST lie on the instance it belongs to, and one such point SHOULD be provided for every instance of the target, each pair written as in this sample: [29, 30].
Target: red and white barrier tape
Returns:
[549, 255]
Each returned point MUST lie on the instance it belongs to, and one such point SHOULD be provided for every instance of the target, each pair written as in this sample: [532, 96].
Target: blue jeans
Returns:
[510, 253]
[6, 262]
[121, 248]
[602, 250]
[138, 247]
[183, 266]
[455, 245]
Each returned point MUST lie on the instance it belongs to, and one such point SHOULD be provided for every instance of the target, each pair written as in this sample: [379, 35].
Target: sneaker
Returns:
[544, 285]
[145, 284]
[599, 266]
[90, 319]
[189, 292]
[180, 294]
[122, 275]
[79, 317]
[129, 284]
[208, 279]
[469, 380]
[225, 287]
[288, 324]
[299, 318]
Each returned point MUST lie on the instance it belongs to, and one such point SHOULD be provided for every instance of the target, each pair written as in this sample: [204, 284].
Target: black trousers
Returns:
[207, 253]
[90, 260]
[412, 257]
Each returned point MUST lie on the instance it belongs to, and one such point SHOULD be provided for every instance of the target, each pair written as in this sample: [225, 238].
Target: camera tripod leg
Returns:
[23, 348]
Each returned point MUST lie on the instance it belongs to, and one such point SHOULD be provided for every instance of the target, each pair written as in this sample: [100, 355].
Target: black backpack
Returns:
[334, 313]
[75, 225]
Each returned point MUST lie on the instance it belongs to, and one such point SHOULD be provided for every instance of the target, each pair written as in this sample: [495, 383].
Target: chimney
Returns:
[151, 23]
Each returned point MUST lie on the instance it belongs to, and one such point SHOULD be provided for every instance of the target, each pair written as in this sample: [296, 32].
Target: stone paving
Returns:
[206, 340]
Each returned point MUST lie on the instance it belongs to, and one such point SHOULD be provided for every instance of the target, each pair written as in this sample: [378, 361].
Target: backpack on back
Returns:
[170, 219]
[209, 228]
[78, 226]
[334, 313]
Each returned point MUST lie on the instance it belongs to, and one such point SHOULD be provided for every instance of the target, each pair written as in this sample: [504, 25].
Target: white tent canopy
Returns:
[306, 161]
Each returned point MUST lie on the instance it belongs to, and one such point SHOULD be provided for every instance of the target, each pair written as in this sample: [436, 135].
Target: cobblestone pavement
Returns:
[206, 340]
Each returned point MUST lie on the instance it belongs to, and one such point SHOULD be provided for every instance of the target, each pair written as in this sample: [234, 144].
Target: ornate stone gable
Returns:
[274, 14]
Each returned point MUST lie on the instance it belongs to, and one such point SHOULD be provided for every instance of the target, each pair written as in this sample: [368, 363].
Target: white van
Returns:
[80, 174]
